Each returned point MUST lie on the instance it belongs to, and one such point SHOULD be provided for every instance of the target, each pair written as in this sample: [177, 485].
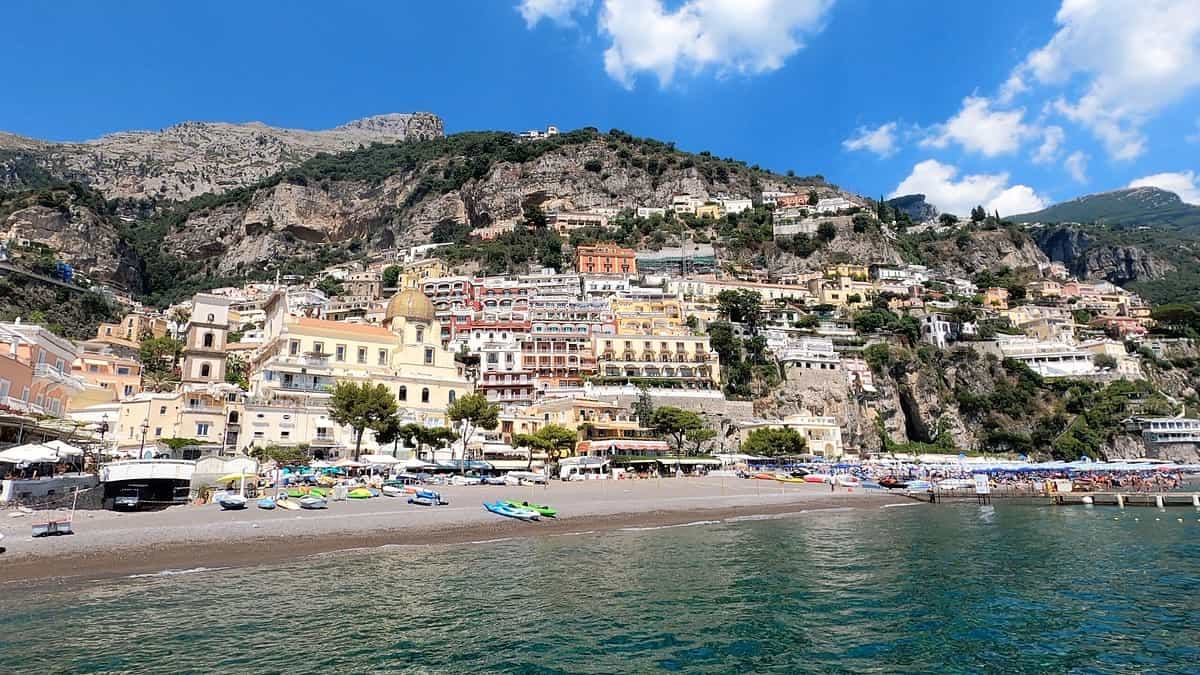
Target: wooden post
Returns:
[1120, 500]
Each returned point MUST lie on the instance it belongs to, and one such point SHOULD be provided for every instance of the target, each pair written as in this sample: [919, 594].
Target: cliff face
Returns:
[77, 229]
[195, 158]
[915, 206]
[1087, 258]
[985, 249]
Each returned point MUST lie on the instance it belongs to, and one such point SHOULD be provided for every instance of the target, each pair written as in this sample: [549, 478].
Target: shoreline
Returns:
[110, 545]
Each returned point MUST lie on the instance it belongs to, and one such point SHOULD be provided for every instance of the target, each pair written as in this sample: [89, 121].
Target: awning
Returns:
[380, 459]
[30, 452]
[64, 449]
[689, 461]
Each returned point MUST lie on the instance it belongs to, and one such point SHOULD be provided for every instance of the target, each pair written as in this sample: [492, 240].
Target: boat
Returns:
[540, 508]
[918, 485]
[311, 502]
[789, 479]
[266, 503]
[848, 481]
[817, 478]
[359, 493]
[232, 502]
[502, 509]
[422, 501]
[765, 476]
[392, 491]
[289, 504]
[892, 483]
[53, 528]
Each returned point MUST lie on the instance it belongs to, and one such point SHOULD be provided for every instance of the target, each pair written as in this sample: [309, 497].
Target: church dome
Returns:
[410, 304]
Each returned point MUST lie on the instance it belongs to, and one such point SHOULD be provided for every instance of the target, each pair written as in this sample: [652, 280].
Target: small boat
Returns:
[502, 509]
[266, 503]
[289, 504]
[435, 497]
[765, 476]
[540, 508]
[848, 481]
[789, 479]
[374, 492]
[422, 501]
[392, 491]
[319, 492]
[359, 493]
[312, 502]
[892, 483]
[816, 478]
[53, 528]
[232, 502]
[918, 485]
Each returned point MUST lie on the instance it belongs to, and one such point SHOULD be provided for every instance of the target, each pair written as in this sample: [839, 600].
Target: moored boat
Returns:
[892, 483]
[392, 491]
[266, 503]
[232, 502]
[289, 504]
[816, 478]
[789, 479]
[359, 493]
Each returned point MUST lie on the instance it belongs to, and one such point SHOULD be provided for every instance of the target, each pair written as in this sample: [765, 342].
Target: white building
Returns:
[833, 204]
[770, 198]
[822, 434]
[736, 205]
[647, 211]
[1048, 359]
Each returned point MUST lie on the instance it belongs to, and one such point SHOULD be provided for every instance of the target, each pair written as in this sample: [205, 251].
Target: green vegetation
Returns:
[361, 407]
[676, 424]
[74, 314]
[473, 412]
[1134, 206]
[769, 442]
[746, 367]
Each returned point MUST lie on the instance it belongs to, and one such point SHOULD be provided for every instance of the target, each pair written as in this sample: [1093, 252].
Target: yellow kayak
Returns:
[788, 479]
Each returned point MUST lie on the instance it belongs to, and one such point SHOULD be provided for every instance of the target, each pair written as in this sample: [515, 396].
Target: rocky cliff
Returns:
[1088, 258]
[915, 206]
[967, 254]
[194, 158]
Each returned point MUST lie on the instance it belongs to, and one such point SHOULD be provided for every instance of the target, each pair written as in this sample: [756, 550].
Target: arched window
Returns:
[205, 370]
[233, 417]
[453, 395]
[403, 395]
[420, 334]
[425, 395]
[208, 339]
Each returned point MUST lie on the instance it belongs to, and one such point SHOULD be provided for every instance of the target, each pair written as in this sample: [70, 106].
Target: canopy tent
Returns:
[415, 464]
[64, 449]
[380, 459]
[31, 453]
[235, 476]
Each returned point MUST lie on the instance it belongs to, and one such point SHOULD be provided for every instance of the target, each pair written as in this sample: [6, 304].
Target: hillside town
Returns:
[592, 349]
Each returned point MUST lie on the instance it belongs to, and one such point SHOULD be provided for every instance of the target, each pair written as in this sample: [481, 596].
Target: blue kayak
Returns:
[509, 511]
[434, 498]
[266, 503]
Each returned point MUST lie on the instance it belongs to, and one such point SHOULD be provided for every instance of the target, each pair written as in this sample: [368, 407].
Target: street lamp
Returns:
[145, 428]
[103, 430]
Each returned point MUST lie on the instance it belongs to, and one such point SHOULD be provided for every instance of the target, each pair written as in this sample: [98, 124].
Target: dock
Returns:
[1123, 499]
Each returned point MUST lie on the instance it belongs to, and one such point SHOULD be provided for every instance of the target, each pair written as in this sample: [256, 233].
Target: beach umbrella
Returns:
[235, 476]
[64, 449]
[30, 452]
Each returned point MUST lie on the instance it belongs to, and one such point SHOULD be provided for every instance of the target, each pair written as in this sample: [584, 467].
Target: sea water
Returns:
[947, 588]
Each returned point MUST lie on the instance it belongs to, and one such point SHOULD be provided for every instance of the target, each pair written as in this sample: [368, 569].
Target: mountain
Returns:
[193, 158]
[915, 206]
[1127, 207]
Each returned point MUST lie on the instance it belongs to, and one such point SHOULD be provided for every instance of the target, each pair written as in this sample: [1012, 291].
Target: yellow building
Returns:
[657, 316]
[996, 298]
[680, 361]
[842, 291]
[856, 272]
[121, 376]
[710, 210]
[303, 358]
[591, 418]
[415, 273]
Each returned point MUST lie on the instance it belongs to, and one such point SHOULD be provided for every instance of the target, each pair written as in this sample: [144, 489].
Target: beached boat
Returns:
[789, 479]
[848, 481]
[359, 493]
[765, 476]
[311, 502]
[502, 509]
[816, 478]
[232, 502]
[53, 528]
[392, 491]
[540, 508]
[289, 504]
[892, 483]
[918, 485]
[266, 503]
[427, 498]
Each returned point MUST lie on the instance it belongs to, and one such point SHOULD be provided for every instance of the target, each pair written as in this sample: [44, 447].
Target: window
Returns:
[128, 390]
[93, 369]
[211, 318]
[339, 352]
[403, 393]
[420, 334]
[285, 434]
[453, 395]
[258, 434]
[233, 417]
[202, 428]
[208, 339]
[123, 370]
[157, 432]
[362, 354]
[5, 385]
[318, 347]
[205, 370]
[425, 395]
[428, 355]
[383, 357]
[294, 347]
[162, 410]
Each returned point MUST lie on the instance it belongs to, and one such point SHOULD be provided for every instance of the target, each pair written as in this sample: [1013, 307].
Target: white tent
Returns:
[379, 459]
[415, 464]
[348, 463]
[64, 449]
[30, 452]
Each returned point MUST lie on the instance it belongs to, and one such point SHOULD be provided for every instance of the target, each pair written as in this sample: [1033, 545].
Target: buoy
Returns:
[1115, 518]
[1179, 519]
[1088, 501]
[1157, 519]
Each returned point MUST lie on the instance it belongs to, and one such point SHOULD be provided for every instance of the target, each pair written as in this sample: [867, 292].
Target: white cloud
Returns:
[561, 12]
[1129, 60]
[881, 140]
[1182, 183]
[738, 36]
[1048, 151]
[1076, 165]
[937, 182]
[979, 128]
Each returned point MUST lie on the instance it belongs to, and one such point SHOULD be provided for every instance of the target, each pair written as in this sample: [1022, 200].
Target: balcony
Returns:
[47, 372]
[24, 406]
[305, 387]
[204, 410]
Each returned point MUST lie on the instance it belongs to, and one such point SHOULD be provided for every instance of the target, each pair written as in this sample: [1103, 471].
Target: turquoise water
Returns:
[947, 588]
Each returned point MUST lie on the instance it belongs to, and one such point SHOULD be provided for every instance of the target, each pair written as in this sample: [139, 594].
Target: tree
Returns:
[948, 219]
[675, 423]
[391, 275]
[361, 407]
[826, 231]
[472, 412]
[808, 321]
[698, 437]
[535, 218]
[813, 198]
[330, 286]
[555, 439]
[643, 408]
[160, 356]
[741, 306]
[768, 442]
[861, 222]
[978, 214]
[593, 165]
[1105, 361]
[236, 371]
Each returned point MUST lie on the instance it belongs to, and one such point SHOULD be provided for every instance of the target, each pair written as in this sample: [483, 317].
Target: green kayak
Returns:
[543, 510]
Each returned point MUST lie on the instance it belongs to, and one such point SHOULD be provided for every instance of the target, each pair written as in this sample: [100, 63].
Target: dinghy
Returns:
[392, 491]
[421, 501]
[541, 509]
[235, 502]
[502, 509]
[289, 504]
[266, 503]
[311, 502]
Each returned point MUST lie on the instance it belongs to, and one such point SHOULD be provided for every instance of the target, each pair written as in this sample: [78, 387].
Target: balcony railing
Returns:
[49, 372]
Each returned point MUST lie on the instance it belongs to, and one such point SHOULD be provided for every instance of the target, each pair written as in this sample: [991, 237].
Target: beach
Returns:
[108, 543]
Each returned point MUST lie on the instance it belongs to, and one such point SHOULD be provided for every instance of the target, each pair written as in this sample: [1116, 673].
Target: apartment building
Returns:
[674, 361]
[605, 258]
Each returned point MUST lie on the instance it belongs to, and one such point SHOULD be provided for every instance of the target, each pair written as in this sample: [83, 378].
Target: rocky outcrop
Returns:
[914, 206]
[1087, 258]
[195, 158]
[985, 249]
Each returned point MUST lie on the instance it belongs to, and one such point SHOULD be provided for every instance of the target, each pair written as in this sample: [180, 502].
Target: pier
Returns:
[1123, 499]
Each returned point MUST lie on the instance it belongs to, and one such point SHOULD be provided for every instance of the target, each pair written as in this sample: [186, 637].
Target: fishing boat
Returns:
[359, 493]
[266, 503]
[540, 508]
[289, 504]
[312, 502]
[892, 483]
[392, 491]
[502, 509]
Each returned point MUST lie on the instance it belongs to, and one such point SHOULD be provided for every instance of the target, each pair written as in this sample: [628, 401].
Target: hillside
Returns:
[1128, 207]
[193, 158]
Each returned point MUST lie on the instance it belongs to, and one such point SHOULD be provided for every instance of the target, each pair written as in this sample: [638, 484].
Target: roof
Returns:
[410, 304]
[364, 330]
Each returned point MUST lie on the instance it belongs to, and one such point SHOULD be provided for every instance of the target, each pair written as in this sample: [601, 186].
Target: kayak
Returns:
[435, 498]
[422, 501]
[541, 509]
[266, 503]
[816, 478]
[765, 476]
[359, 493]
[311, 502]
[289, 504]
[502, 509]
[789, 479]
[319, 492]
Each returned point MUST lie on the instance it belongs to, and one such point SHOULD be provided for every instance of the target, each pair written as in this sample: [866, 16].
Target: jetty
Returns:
[1123, 499]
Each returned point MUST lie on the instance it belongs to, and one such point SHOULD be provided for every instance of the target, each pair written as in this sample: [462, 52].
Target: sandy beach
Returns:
[109, 544]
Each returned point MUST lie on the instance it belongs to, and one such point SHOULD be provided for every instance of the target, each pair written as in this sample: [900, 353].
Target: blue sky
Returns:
[1006, 104]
